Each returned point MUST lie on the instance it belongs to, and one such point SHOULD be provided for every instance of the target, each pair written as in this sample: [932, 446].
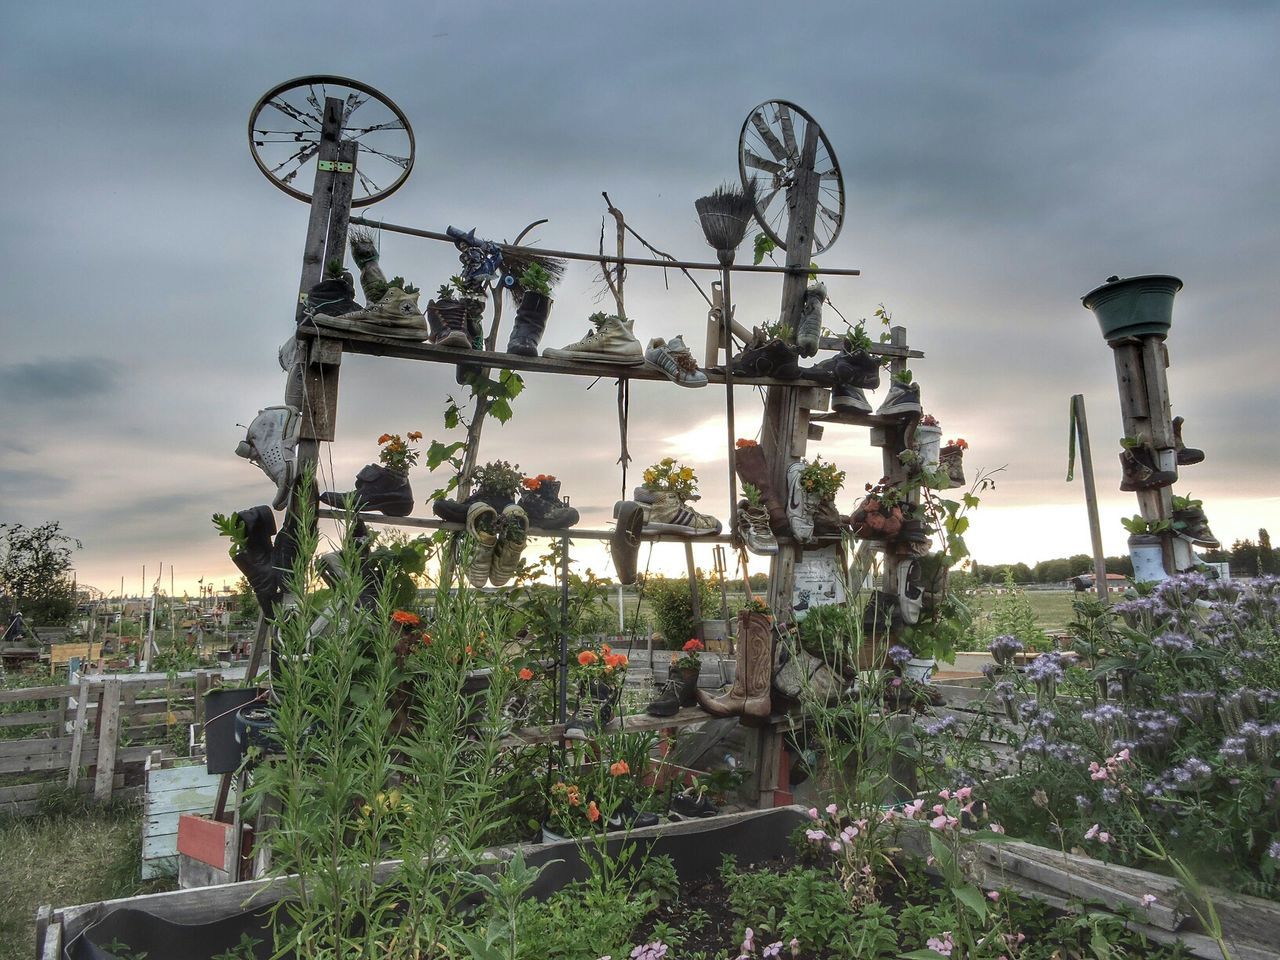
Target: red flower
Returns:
[405, 617]
[693, 646]
[525, 673]
[587, 657]
[621, 768]
[743, 444]
[593, 812]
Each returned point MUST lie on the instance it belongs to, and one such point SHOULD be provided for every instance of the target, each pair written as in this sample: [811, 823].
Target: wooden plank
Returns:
[51, 947]
[109, 732]
[37, 693]
[29, 718]
[35, 763]
[61, 653]
[1154, 361]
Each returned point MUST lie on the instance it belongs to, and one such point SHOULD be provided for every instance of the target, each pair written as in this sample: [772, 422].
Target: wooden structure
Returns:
[173, 789]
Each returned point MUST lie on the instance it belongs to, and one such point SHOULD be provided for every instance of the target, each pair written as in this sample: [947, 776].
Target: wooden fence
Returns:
[92, 735]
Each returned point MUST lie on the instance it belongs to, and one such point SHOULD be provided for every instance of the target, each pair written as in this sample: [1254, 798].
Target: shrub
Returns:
[670, 600]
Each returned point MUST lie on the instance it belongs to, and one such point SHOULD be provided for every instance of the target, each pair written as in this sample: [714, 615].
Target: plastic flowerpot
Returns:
[919, 670]
[222, 753]
[1148, 558]
[1134, 306]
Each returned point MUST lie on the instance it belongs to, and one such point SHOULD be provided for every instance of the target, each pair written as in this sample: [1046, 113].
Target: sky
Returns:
[1000, 160]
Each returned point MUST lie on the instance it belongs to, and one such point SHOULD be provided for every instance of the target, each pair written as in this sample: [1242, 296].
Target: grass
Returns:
[73, 853]
[1052, 608]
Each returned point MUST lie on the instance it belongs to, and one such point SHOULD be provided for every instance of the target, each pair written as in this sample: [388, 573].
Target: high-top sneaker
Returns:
[800, 504]
[529, 325]
[395, 315]
[482, 525]
[377, 488]
[673, 359]
[543, 504]
[333, 297]
[1140, 470]
[272, 443]
[364, 251]
[763, 358]
[1186, 455]
[624, 545]
[594, 709]
[849, 399]
[753, 527]
[254, 558]
[910, 594]
[680, 690]
[901, 398]
[809, 327]
[448, 319]
[513, 537]
[610, 341]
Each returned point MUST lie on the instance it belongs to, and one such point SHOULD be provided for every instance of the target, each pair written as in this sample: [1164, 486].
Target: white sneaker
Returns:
[610, 342]
[799, 509]
[910, 596]
[272, 443]
[673, 359]
[753, 527]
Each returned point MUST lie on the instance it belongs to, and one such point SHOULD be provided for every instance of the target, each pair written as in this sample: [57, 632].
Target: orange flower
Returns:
[383, 439]
[468, 649]
[525, 673]
[414, 434]
[426, 639]
[605, 648]
[743, 444]
[612, 660]
[621, 768]
[593, 812]
[692, 646]
[532, 483]
[405, 617]
[586, 658]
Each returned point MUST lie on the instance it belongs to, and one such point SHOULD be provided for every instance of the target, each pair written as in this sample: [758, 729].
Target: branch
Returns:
[663, 254]
[615, 287]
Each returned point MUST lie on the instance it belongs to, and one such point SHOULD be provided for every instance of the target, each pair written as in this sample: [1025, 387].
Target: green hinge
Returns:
[336, 166]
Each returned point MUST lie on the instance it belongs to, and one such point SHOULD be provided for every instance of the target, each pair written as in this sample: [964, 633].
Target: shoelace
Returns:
[684, 360]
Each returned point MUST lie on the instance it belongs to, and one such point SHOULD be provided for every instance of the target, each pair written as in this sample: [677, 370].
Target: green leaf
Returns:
[500, 410]
[513, 382]
[972, 898]
[438, 452]
[940, 852]
[923, 954]
[970, 500]
[451, 415]
[961, 525]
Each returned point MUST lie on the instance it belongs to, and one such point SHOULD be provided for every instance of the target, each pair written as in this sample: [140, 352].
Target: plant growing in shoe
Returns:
[753, 522]
[811, 498]
[531, 315]
[666, 486]
[1190, 522]
[540, 499]
[610, 340]
[1140, 467]
[498, 481]
[902, 397]
[598, 676]
[383, 486]
[681, 688]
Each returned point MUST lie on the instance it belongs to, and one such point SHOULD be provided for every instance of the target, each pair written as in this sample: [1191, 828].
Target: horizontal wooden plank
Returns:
[160, 782]
[34, 763]
[29, 717]
[37, 693]
[33, 745]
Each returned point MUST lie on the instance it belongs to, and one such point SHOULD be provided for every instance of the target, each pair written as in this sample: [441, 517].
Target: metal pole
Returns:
[726, 316]
[1090, 498]
[564, 630]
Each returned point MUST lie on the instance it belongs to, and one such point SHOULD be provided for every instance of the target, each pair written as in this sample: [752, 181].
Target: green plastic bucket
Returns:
[1134, 306]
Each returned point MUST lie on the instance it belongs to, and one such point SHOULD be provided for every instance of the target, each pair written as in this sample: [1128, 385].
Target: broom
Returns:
[725, 215]
[515, 263]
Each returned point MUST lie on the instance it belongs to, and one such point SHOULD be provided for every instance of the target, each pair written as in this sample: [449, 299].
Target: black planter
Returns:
[696, 848]
[222, 754]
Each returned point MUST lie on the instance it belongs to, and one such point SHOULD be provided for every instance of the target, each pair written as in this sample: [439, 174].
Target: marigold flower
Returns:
[587, 657]
[742, 444]
[414, 434]
[405, 617]
[525, 673]
[384, 438]
[593, 812]
[619, 769]
[532, 483]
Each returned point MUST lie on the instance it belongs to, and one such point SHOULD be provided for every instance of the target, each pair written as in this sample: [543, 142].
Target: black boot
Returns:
[530, 322]
[254, 560]
[1186, 455]
[335, 297]
[594, 710]
[1140, 470]
[680, 690]
[545, 508]
[377, 488]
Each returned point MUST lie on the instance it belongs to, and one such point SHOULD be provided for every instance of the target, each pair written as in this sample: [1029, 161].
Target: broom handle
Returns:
[726, 313]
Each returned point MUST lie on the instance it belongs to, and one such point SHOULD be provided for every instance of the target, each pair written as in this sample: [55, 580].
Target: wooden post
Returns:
[802, 204]
[77, 735]
[1090, 497]
[259, 646]
[108, 735]
[695, 595]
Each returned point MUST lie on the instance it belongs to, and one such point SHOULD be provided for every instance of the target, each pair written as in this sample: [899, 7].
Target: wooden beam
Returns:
[77, 735]
[109, 733]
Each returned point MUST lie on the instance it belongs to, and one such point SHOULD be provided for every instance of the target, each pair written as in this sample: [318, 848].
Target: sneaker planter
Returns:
[448, 322]
[513, 536]
[610, 341]
[377, 488]
[1134, 306]
[540, 499]
[693, 804]
[848, 368]
[846, 399]
[1191, 524]
[800, 504]
[673, 359]
[482, 526]
[255, 560]
[680, 691]
[1140, 470]
[1148, 558]
[767, 358]
[910, 594]
[928, 443]
[396, 315]
[335, 297]
[809, 326]
[272, 443]
[667, 513]
[902, 398]
[873, 519]
[595, 708]
[753, 529]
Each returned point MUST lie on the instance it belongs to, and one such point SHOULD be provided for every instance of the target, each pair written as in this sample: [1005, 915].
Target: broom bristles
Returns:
[726, 214]
[516, 263]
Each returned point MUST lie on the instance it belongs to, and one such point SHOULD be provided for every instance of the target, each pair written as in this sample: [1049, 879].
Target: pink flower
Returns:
[832, 809]
[1123, 756]
[938, 822]
[1148, 899]
[834, 846]
[1104, 837]
[964, 793]
[1092, 831]
[815, 836]
[1096, 772]
[943, 945]
[813, 813]
[945, 794]
[913, 809]
[772, 950]
[993, 895]
[939, 808]
[795, 947]
[996, 828]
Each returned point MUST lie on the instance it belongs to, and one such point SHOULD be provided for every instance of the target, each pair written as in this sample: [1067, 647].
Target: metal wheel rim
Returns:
[829, 173]
[331, 79]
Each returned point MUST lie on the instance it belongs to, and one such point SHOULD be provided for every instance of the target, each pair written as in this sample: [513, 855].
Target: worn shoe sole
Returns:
[682, 529]
[624, 545]
[631, 360]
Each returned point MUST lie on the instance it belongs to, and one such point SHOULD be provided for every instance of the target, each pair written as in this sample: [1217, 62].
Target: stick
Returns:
[1091, 499]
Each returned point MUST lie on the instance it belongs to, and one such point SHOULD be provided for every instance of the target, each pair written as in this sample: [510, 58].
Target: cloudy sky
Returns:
[999, 160]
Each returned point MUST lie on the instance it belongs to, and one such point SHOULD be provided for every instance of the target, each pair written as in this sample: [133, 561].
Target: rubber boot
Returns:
[1148, 558]
[530, 322]
[680, 690]
[754, 469]
[377, 488]
[1186, 455]
[749, 696]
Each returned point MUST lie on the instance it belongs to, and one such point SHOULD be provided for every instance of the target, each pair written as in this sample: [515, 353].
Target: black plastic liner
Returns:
[696, 851]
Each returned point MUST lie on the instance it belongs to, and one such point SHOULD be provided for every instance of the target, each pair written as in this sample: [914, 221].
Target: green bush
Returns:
[670, 600]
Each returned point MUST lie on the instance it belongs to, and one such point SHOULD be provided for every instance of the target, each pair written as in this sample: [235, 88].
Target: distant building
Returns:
[1116, 582]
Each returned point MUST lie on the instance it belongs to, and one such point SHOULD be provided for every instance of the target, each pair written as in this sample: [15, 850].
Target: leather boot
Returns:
[531, 321]
[679, 691]
[750, 694]
[377, 488]
[254, 560]
[1140, 470]
[1186, 455]
[754, 469]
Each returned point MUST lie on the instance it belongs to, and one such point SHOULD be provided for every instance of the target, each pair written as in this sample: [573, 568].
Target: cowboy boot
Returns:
[753, 468]
[750, 694]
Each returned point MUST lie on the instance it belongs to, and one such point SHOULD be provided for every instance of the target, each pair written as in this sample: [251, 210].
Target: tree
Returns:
[1267, 559]
[1244, 559]
[35, 572]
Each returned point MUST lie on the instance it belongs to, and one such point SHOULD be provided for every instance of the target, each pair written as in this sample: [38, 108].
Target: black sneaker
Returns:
[335, 297]
[686, 804]
[901, 398]
[545, 508]
[627, 817]
[775, 358]
[850, 400]
[845, 369]
[455, 511]
[377, 488]
[448, 322]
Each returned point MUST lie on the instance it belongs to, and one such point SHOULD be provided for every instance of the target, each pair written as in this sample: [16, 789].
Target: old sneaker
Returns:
[272, 443]
[855, 368]
[482, 525]
[540, 499]
[610, 341]
[513, 536]
[395, 315]
[668, 514]
[767, 358]
[448, 320]
[800, 506]
[809, 327]
[849, 400]
[901, 398]
[673, 359]
[624, 545]
[910, 595]
[753, 527]
[333, 297]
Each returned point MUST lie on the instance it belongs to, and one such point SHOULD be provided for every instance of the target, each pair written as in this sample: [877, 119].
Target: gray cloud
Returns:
[64, 381]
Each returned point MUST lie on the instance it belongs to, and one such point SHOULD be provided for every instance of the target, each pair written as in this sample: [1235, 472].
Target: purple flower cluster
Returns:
[1173, 642]
[899, 654]
[1046, 670]
[1004, 647]
[940, 727]
[1273, 851]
